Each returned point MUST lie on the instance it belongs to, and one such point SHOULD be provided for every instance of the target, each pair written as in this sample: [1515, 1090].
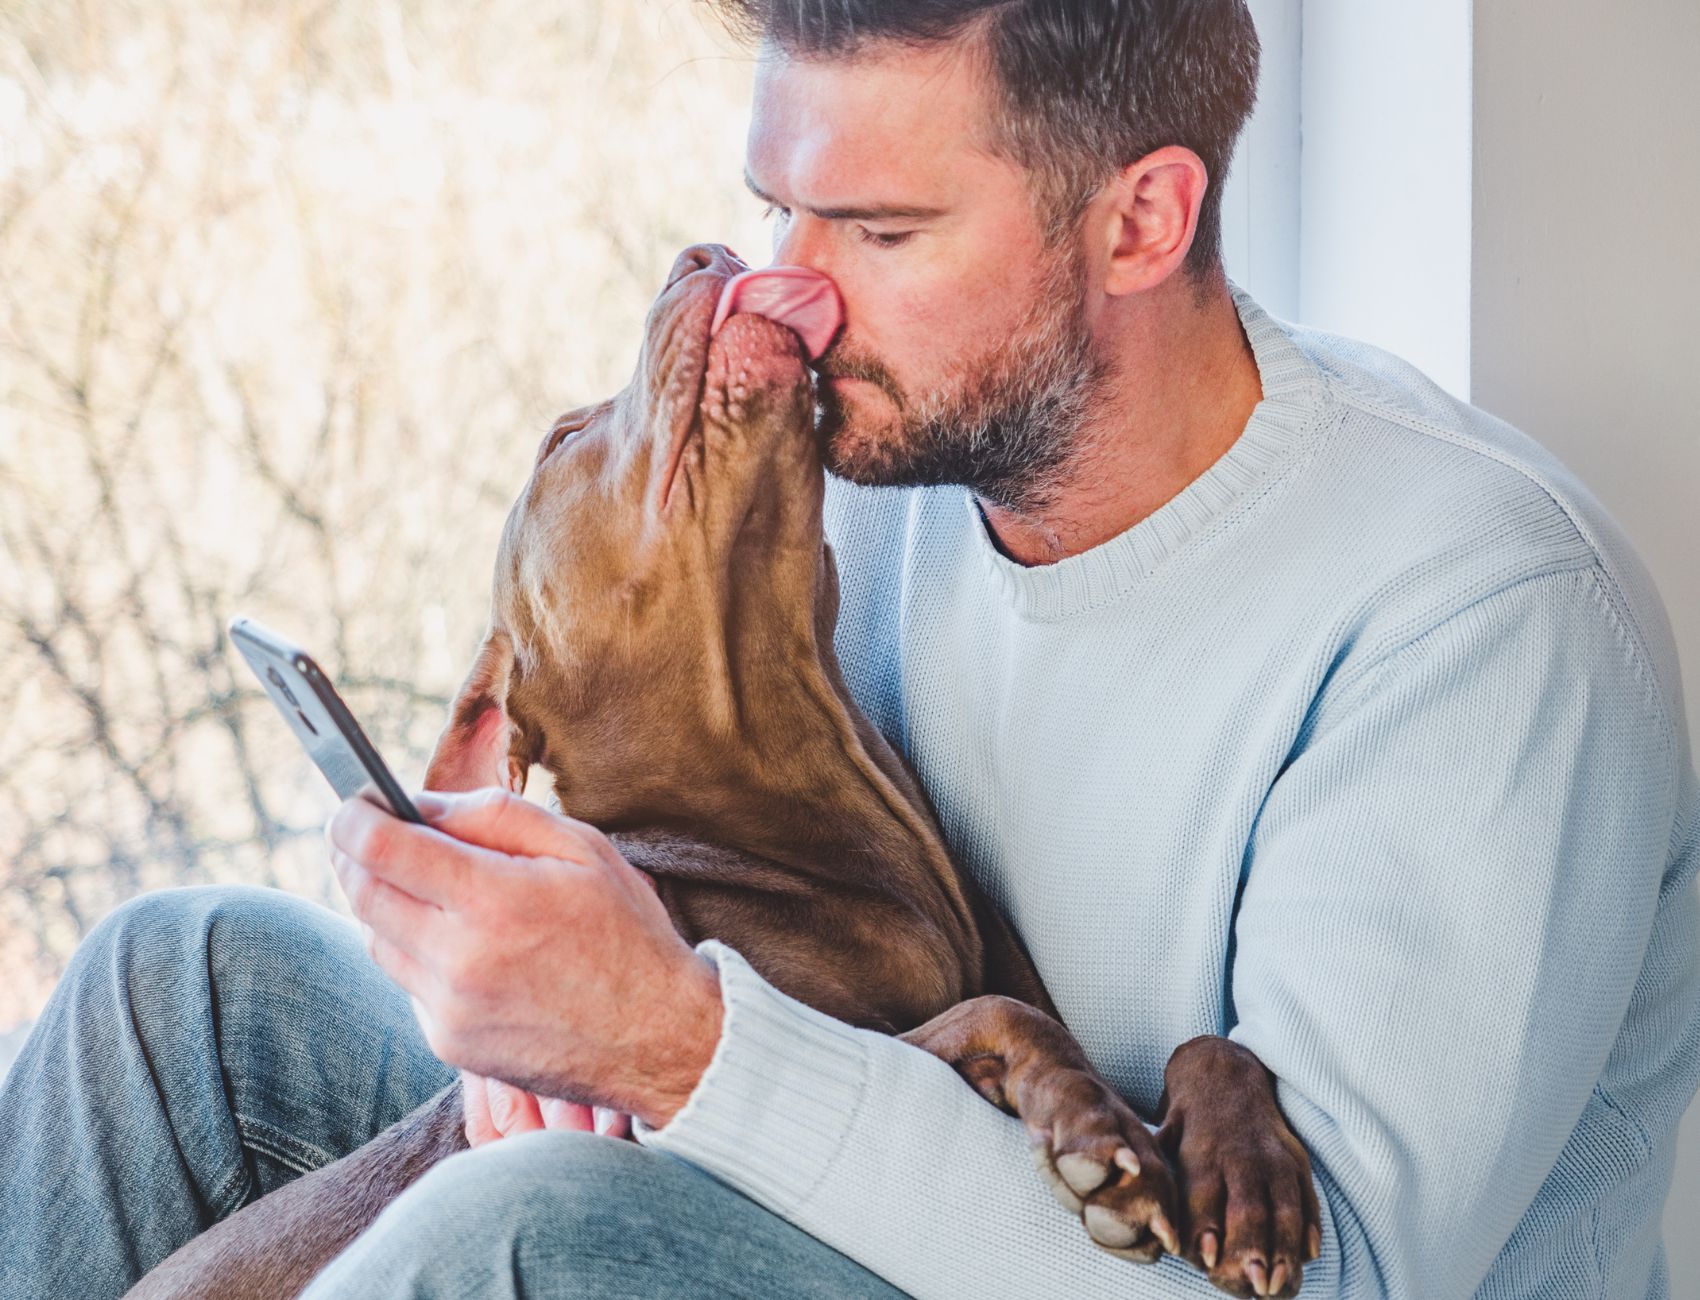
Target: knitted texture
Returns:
[1367, 750]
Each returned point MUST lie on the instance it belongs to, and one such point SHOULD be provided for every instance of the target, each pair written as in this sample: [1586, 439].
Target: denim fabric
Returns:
[208, 1044]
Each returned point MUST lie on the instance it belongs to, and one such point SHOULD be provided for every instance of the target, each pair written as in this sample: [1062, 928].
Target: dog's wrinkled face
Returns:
[667, 544]
[638, 501]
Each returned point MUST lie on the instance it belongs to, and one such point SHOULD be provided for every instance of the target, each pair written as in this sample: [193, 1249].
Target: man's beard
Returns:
[1006, 425]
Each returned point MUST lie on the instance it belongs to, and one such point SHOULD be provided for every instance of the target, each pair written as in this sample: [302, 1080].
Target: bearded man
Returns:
[1268, 691]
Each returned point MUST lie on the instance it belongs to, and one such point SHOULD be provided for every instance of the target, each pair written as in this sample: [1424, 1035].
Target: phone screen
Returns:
[319, 718]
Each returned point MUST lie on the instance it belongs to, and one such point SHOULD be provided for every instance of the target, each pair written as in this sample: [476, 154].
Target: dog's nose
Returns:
[701, 257]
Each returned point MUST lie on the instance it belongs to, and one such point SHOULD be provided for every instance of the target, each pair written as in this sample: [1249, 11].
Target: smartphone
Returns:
[320, 720]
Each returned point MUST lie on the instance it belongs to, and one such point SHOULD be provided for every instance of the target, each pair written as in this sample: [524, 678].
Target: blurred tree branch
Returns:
[288, 293]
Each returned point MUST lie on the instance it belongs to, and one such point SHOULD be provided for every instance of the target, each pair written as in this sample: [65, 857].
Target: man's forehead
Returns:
[889, 126]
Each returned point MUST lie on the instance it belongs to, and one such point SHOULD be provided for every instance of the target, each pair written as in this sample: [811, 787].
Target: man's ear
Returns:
[482, 745]
[1152, 218]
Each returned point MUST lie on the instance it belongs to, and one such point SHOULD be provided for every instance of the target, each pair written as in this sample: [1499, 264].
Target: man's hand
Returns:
[532, 951]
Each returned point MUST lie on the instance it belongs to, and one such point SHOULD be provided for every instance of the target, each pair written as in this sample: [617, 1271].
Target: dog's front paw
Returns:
[1102, 1163]
[1252, 1220]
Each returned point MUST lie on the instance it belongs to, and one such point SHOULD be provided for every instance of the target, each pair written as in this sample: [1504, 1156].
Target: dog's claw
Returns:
[1165, 1232]
[1207, 1249]
[1257, 1276]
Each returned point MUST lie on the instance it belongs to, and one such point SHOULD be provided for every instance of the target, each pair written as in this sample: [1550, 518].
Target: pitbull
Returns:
[661, 642]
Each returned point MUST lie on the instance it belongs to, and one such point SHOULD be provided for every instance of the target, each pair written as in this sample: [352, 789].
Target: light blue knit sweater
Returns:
[1367, 750]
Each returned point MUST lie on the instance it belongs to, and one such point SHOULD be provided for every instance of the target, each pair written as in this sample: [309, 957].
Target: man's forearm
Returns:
[883, 1152]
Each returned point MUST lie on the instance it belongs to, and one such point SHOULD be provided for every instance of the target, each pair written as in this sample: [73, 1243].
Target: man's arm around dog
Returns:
[1435, 953]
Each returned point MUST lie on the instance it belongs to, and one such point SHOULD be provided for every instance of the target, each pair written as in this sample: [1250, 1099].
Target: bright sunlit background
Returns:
[289, 292]
[290, 289]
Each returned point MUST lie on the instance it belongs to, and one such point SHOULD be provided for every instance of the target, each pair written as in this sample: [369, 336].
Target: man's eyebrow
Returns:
[878, 212]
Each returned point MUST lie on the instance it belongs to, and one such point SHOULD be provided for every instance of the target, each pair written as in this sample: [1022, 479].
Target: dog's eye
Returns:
[563, 428]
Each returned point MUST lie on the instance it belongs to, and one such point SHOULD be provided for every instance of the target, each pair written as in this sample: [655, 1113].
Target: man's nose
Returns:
[803, 241]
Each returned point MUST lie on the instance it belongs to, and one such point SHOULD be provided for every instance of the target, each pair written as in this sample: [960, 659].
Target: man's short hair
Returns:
[1084, 87]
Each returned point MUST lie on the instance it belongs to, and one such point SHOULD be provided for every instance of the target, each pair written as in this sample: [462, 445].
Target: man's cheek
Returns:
[890, 316]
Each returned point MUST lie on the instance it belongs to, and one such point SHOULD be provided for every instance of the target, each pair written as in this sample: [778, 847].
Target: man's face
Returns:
[966, 355]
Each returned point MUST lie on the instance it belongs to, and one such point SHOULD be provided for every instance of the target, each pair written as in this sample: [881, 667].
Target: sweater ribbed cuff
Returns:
[773, 1107]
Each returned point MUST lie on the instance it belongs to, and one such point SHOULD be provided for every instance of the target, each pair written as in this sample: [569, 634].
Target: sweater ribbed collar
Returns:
[1294, 399]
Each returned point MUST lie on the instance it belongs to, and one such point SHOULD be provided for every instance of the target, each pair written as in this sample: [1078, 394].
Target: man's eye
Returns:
[883, 241]
[867, 236]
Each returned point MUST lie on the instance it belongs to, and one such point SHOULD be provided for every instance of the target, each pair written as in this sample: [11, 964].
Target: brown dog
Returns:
[661, 641]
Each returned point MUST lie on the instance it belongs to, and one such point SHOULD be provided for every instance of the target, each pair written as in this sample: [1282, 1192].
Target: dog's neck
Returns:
[756, 745]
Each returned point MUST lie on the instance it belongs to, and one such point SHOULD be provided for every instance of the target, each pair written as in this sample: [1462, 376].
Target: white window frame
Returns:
[1348, 204]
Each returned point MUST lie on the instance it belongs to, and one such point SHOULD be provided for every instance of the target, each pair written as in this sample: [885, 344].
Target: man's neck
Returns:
[1183, 389]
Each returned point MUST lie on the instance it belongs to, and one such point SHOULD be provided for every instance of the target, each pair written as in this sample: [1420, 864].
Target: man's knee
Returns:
[234, 922]
[172, 948]
[559, 1213]
[558, 1205]
[240, 913]
[557, 1177]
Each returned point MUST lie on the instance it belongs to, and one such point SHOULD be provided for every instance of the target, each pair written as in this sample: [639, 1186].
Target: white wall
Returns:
[1507, 194]
[1384, 248]
[1586, 311]
[1260, 197]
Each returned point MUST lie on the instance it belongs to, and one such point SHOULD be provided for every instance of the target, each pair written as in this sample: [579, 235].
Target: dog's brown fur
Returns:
[661, 642]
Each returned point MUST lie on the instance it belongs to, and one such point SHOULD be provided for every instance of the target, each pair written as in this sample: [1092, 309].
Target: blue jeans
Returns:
[207, 1045]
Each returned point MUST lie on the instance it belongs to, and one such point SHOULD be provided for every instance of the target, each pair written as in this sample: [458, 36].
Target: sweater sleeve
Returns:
[1447, 898]
[1450, 893]
[882, 1152]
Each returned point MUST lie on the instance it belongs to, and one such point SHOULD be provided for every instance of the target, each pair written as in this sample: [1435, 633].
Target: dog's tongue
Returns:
[798, 298]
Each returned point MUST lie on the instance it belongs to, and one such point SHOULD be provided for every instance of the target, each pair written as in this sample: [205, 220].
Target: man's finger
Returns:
[504, 822]
[613, 1123]
[429, 864]
[402, 920]
[475, 1110]
[402, 969]
[572, 1115]
[513, 1110]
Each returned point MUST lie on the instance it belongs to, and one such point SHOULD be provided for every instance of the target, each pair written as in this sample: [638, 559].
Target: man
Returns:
[1267, 690]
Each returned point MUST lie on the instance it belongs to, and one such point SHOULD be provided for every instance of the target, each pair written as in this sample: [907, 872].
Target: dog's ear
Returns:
[482, 744]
